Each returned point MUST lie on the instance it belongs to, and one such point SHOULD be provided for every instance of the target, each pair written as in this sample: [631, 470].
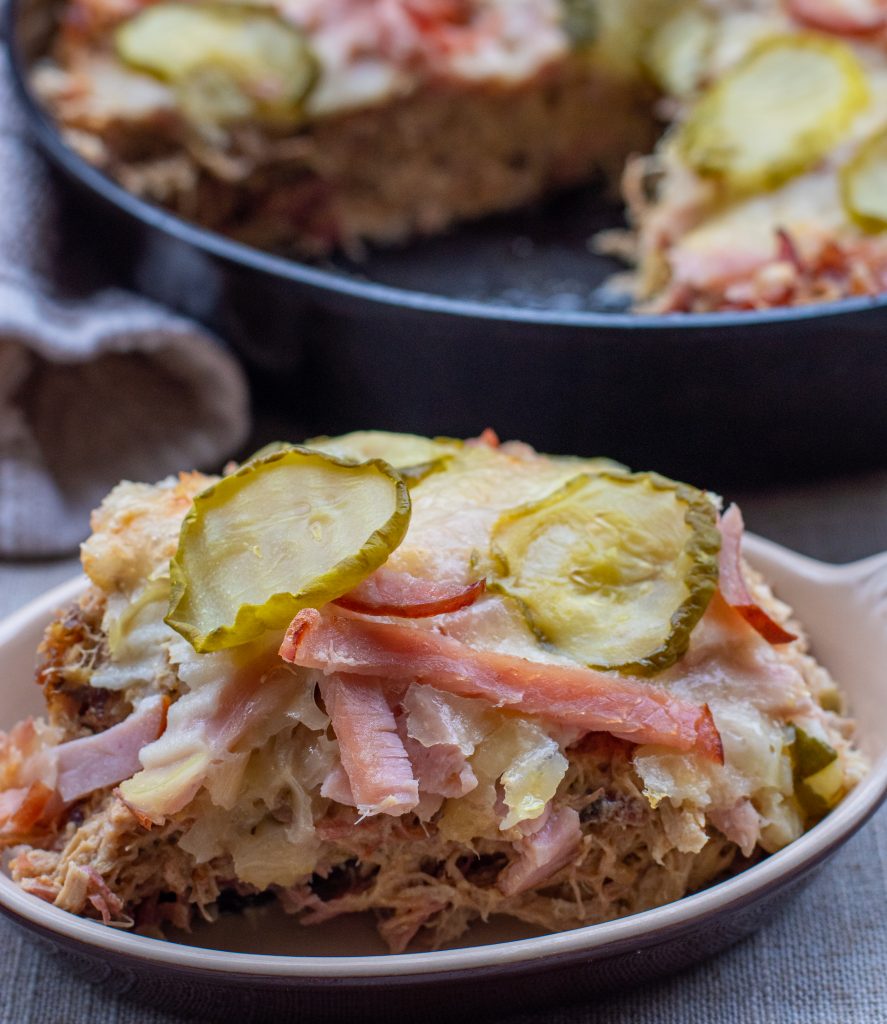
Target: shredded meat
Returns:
[417, 882]
[424, 889]
[450, 154]
[72, 648]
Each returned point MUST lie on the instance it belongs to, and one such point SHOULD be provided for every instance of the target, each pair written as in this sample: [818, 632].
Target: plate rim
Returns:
[336, 284]
[589, 942]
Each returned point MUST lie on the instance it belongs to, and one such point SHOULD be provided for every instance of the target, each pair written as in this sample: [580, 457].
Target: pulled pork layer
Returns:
[382, 175]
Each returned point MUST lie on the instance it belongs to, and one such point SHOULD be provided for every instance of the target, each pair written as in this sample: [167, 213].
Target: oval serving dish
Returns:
[503, 322]
[267, 965]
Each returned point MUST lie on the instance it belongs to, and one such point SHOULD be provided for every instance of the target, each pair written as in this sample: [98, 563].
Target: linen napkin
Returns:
[96, 384]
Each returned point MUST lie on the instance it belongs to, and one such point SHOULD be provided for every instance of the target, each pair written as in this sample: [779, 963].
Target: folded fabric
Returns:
[96, 384]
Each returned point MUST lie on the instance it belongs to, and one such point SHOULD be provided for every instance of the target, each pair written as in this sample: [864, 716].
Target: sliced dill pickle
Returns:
[589, 464]
[864, 184]
[295, 529]
[819, 779]
[226, 61]
[819, 793]
[413, 456]
[830, 699]
[614, 570]
[776, 113]
[615, 32]
[398, 449]
[810, 754]
[677, 52]
[270, 449]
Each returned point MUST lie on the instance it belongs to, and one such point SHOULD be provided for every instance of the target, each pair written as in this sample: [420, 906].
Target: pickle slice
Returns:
[819, 779]
[614, 570]
[271, 448]
[398, 449]
[776, 113]
[226, 61]
[413, 456]
[677, 52]
[295, 529]
[864, 184]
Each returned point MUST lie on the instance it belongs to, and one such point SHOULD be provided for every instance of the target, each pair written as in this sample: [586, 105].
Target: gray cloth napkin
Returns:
[96, 384]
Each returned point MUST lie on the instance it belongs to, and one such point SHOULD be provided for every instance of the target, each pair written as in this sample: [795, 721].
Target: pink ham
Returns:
[702, 267]
[629, 708]
[26, 806]
[732, 582]
[17, 747]
[388, 592]
[372, 753]
[530, 826]
[111, 756]
[741, 824]
[25, 809]
[11, 801]
[441, 769]
[488, 438]
[543, 853]
[337, 787]
[440, 732]
[843, 17]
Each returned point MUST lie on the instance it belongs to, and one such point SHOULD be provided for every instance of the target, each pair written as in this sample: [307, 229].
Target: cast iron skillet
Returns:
[505, 323]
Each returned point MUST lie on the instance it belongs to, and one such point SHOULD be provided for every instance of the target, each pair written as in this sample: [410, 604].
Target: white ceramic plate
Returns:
[263, 963]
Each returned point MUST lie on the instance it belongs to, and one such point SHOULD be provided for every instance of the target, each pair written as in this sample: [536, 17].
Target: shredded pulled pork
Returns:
[73, 646]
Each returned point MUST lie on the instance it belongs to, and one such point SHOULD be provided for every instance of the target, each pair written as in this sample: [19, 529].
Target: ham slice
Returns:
[440, 732]
[111, 756]
[542, 853]
[629, 708]
[530, 826]
[337, 787]
[78, 767]
[741, 824]
[24, 809]
[10, 801]
[388, 592]
[441, 769]
[488, 438]
[843, 17]
[732, 581]
[373, 755]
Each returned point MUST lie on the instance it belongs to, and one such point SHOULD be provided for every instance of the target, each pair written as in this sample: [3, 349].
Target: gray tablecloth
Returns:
[823, 961]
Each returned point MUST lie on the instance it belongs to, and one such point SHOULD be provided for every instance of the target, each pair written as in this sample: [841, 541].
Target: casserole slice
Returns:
[470, 680]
